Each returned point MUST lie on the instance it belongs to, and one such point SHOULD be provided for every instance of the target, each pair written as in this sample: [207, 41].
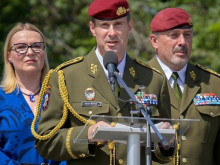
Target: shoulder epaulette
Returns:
[65, 64]
[208, 70]
[148, 66]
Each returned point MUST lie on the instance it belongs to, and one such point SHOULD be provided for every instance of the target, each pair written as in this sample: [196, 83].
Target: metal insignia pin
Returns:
[193, 75]
[94, 68]
[132, 71]
[90, 94]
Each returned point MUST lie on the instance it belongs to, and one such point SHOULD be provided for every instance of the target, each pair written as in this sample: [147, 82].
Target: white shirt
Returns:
[120, 67]
[168, 72]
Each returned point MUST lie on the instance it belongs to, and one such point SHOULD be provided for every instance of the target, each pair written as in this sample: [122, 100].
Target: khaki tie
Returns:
[176, 87]
[117, 89]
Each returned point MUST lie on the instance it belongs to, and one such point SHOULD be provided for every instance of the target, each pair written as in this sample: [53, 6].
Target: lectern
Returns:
[132, 131]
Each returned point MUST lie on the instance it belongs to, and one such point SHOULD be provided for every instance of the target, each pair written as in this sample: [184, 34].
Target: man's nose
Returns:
[111, 31]
[182, 40]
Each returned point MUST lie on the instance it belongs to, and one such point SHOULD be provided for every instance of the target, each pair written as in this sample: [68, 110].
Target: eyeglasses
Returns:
[22, 48]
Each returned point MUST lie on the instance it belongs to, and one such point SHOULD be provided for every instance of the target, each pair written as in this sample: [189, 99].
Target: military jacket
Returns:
[200, 145]
[79, 75]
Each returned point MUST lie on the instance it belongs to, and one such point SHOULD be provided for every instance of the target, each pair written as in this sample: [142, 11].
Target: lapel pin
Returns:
[94, 68]
[132, 71]
[193, 75]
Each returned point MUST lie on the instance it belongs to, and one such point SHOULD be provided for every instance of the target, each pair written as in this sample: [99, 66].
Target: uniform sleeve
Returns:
[217, 148]
[59, 146]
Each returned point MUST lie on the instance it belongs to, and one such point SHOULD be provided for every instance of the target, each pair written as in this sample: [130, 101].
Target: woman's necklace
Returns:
[31, 95]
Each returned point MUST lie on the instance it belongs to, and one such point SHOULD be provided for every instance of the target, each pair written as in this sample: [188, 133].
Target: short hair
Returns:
[9, 82]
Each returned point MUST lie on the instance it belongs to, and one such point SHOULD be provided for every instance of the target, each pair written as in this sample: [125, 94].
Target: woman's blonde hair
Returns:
[9, 82]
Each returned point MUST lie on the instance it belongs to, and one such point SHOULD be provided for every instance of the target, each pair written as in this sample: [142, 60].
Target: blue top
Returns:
[16, 139]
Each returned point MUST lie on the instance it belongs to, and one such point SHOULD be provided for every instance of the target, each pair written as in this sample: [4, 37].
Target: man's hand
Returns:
[92, 129]
[167, 125]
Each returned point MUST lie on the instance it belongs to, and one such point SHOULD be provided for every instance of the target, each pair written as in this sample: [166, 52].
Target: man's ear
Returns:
[130, 24]
[153, 40]
[92, 28]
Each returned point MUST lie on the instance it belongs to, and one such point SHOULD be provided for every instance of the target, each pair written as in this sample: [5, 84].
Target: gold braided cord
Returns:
[176, 157]
[113, 155]
[68, 143]
[112, 148]
[72, 61]
[64, 96]
[63, 119]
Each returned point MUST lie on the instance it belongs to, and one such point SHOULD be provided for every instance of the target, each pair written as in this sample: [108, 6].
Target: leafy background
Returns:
[65, 25]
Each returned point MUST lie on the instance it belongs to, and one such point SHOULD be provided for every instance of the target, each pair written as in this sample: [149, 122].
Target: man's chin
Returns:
[112, 50]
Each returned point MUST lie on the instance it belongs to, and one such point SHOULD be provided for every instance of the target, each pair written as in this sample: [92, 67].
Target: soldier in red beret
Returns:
[172, 35]
[81, 87]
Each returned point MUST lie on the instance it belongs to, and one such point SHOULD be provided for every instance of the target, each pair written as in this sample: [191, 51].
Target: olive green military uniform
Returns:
[200, 144]
[83, 73]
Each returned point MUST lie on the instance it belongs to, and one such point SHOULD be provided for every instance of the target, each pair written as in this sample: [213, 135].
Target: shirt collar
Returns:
[168, 72]
[120, 67]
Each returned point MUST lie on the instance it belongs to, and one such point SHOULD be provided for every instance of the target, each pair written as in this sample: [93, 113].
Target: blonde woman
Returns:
[25, 66]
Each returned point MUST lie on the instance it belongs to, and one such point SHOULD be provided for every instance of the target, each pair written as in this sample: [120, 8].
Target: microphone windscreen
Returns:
[110, 57]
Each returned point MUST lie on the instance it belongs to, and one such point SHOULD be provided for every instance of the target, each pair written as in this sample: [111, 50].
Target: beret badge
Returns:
[121, 10]
[190, 21]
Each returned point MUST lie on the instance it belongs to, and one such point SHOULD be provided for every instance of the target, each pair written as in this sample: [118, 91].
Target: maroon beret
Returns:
[170, 18]
[108, 9]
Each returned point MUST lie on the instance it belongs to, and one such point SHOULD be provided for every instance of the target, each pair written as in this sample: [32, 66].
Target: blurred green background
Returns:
[65, 25]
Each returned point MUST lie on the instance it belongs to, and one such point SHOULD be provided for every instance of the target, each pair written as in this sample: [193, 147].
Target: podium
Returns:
[133, 132]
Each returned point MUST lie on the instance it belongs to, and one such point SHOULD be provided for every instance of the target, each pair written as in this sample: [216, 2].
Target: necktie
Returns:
[176, 87]
[117, 88]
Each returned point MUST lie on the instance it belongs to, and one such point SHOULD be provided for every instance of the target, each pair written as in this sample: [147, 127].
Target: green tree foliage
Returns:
[65, 25]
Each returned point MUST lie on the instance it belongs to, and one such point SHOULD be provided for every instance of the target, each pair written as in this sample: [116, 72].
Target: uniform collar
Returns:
[120, 67]
[168, 72]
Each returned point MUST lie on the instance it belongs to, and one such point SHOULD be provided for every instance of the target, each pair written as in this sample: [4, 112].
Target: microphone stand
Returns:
[133, 139]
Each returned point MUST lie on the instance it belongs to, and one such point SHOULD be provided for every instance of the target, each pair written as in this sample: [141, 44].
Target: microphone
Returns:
[110, 62]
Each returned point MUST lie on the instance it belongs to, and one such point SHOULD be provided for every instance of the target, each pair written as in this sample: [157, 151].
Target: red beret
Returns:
[171, 18]
[108, 9]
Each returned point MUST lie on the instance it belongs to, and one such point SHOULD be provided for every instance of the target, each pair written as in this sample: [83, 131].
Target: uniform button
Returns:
[211, 113]
[181, 117]
[183, 137]
[184, 160]
[90, 112]
[119, 114]
[120, 161]
[82, 155]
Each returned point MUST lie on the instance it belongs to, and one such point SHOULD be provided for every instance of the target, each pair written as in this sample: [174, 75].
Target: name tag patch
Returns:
[91, 104]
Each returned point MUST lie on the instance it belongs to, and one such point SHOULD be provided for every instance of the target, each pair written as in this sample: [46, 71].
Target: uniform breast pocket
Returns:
[87, 109]
[154, 111]
[209, 122]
